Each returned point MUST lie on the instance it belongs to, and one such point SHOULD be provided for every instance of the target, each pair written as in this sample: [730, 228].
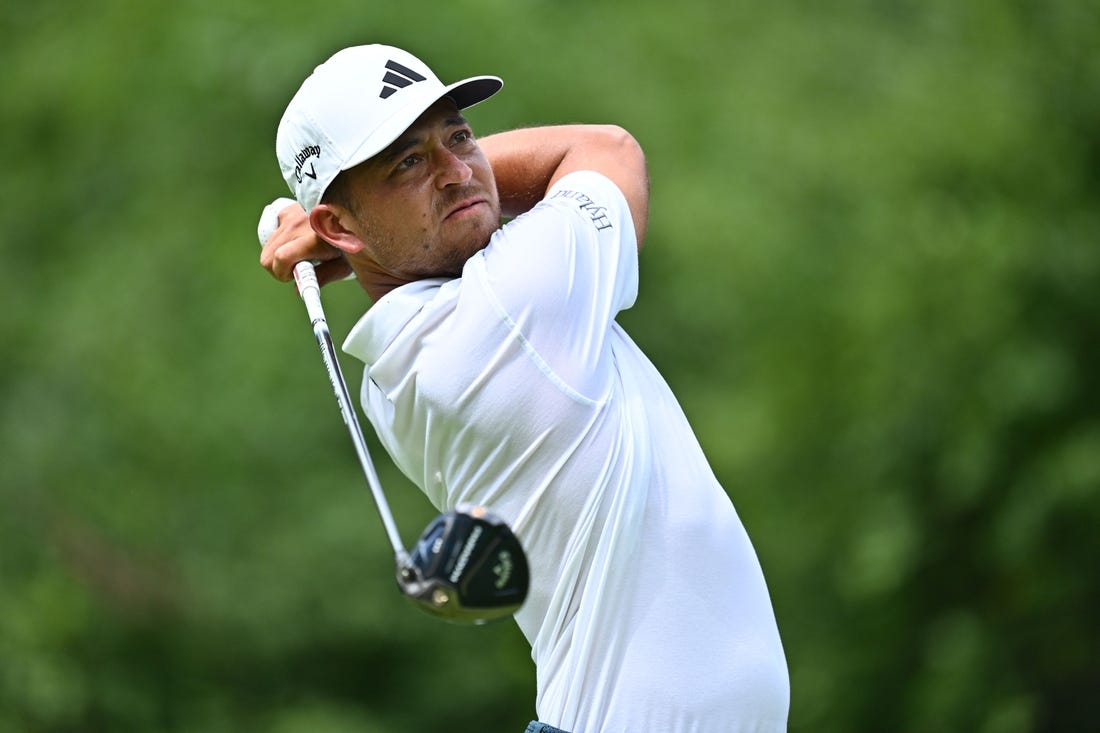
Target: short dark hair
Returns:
[338, 193]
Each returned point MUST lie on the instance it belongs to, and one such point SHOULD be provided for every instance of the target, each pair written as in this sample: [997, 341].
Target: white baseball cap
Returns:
[353, 106]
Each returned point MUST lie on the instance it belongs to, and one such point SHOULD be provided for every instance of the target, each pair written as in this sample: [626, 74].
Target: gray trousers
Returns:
[536, 727]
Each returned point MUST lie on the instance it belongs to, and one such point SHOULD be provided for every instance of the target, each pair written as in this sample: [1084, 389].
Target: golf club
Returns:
[467, 566]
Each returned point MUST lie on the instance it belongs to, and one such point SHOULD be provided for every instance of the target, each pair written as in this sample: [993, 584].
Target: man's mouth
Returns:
[464, 207]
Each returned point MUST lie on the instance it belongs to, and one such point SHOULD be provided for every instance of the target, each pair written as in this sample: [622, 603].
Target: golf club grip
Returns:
[305, 276]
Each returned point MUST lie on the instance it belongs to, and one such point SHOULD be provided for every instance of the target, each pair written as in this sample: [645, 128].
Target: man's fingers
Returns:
[293, 217]
[294, 241]
[279, 258]
[279, 255]
[291, 226]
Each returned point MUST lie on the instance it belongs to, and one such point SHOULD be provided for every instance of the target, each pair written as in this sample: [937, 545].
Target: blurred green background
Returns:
[872, 276]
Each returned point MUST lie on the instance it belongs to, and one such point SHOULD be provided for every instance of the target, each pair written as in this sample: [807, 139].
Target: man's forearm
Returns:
[524, 162]
[527, 161]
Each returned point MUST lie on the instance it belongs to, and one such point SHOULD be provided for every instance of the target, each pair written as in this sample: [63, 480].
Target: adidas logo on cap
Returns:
[398, 77]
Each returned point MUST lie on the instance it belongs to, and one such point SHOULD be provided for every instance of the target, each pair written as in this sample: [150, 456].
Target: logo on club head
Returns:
[503, 569]
[397, 77]
[467, 551]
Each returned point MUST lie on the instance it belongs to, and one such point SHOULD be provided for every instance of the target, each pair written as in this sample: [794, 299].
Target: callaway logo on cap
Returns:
[354, 105]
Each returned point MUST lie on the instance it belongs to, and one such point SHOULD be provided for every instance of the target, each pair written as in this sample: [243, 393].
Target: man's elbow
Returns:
[633, 176]
[625, 145]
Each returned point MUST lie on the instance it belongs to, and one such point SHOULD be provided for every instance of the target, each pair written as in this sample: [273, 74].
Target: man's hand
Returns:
[295, 241]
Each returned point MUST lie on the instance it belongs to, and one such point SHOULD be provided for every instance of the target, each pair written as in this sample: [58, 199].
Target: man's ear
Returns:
[335, 225]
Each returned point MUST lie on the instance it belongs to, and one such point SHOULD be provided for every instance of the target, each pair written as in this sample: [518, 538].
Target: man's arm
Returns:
[527, 162]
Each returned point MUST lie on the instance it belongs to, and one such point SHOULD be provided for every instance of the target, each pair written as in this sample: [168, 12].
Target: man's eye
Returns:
[408, 162]
[463, 136]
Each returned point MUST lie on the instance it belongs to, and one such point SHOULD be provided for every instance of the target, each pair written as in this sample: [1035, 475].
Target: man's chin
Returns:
[479, 233]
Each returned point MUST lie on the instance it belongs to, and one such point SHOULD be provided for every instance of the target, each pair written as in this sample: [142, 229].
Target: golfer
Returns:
[497, 375]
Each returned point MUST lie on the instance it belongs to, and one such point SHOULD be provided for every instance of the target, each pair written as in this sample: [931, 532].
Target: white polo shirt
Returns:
[513, 387]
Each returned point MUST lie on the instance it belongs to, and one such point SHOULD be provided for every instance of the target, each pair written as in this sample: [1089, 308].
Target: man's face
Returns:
[428, 202]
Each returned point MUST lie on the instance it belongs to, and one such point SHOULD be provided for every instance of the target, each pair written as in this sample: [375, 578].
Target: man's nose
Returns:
[451, 169]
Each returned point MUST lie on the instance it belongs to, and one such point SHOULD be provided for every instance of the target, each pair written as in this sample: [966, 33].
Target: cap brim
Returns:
[476, 89]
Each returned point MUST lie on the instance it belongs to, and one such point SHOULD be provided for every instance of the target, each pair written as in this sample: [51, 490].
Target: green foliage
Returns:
[871, 276]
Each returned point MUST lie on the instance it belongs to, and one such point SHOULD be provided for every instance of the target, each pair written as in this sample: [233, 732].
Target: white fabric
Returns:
[514, 388]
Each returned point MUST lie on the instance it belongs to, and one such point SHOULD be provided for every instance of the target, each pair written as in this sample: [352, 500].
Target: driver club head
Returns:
[467, 567]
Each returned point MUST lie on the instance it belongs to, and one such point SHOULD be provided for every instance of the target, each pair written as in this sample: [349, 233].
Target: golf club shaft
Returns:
[309, 289]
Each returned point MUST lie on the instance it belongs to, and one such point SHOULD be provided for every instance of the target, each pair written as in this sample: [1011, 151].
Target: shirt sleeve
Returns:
[562, 272]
